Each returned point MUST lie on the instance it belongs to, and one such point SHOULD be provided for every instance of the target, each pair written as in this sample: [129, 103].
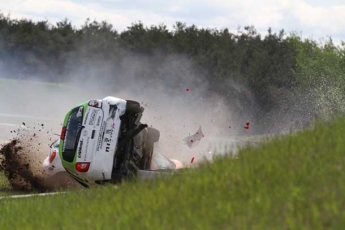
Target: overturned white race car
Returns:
[52, 164]
[103, 141]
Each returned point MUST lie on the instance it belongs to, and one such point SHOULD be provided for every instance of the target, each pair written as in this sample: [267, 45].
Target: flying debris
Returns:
[192, 140]
[192, 160]
[247, 125]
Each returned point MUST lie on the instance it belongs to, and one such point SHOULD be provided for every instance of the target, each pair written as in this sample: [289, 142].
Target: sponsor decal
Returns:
[85, 133]
[101, 135]
[87, 147]
[80, 148]
[98, 121]
[93, 117]
[108, 131]
[107, 148]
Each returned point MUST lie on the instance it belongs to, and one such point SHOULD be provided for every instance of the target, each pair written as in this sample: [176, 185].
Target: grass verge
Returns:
[5, 188]
[291, 182]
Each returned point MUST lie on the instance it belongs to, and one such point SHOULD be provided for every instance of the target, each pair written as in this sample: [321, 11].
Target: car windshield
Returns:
[73, 126]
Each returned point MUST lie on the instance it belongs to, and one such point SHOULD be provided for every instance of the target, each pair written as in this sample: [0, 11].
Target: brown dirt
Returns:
[17, 169]
[21, 162]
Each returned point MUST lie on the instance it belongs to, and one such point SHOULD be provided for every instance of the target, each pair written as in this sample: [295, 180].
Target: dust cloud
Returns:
[177, 100]
[22, 158]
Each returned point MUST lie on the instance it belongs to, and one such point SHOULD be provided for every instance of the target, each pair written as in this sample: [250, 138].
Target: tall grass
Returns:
[291, 182]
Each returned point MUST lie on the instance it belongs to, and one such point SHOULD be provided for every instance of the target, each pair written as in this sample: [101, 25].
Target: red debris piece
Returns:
[192, 160]
[247, 125]
[229, 127]
[187, 89]
[193, 140]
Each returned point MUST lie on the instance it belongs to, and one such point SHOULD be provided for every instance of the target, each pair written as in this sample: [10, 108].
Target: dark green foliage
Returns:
[261, 77]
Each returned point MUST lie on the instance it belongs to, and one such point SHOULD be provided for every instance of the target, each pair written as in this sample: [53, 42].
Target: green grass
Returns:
[4, 186]
[291, 182]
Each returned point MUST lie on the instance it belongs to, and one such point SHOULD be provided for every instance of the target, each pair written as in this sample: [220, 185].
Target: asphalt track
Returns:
[5, 131]
[6, 115]
[10, 122]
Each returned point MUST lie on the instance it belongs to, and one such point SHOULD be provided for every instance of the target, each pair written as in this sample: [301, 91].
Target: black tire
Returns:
[133, 107]
[153, 134]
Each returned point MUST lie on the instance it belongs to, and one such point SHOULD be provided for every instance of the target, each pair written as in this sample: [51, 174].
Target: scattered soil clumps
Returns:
[17, 169]
[21, 161]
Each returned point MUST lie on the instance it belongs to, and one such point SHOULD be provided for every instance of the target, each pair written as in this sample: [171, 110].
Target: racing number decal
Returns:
[108, 140]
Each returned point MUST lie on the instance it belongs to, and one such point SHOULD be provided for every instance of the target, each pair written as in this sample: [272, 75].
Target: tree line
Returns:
[276, 75]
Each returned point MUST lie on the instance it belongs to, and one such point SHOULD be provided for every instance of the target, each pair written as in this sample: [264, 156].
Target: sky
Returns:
[317, 19]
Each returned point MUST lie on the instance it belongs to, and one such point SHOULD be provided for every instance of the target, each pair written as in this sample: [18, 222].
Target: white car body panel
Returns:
[159, 162]
[98, 140]
[99, 137]
[51, 168]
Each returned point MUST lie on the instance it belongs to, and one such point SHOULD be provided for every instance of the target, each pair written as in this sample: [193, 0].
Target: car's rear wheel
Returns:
[133, 107]
[153, 134]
